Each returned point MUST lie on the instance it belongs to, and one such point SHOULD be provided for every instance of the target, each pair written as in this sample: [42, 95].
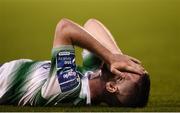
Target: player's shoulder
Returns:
[27, 61]
[13, 67]
[20, 62]
[15, 62]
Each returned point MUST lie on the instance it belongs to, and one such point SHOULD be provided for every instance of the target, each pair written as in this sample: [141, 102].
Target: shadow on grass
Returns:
[10, 108]
[151, 107]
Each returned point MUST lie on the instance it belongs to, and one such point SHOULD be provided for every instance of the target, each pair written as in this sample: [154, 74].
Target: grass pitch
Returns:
[148, 30]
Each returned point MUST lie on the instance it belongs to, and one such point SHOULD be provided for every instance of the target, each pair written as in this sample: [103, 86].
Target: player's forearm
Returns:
[102, 35]
[69, 33]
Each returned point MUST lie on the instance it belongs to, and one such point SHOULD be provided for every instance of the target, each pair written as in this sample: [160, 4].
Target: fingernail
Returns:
[145, 72]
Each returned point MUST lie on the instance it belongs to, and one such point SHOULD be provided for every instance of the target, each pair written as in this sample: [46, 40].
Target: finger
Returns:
[134, 59]
[133, 70]
[137, 66]
[117, 72]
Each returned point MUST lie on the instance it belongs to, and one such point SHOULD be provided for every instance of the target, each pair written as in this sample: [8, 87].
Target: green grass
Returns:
[148, 30]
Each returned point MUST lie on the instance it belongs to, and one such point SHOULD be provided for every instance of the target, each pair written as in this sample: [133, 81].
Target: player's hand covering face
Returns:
[123, 63]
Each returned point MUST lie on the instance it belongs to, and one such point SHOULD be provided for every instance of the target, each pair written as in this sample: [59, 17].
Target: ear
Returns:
[111, 87]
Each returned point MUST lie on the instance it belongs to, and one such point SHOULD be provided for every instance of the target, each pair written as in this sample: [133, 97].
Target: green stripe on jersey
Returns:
[15, 92]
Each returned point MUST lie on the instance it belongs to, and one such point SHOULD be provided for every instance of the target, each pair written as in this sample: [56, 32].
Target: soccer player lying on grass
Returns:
[106, 75]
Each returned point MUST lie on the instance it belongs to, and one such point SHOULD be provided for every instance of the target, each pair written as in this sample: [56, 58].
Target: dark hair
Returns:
[138, 97]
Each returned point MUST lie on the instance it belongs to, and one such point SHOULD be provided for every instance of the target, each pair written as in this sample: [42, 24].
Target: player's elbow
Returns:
[91, 22]
[62, 26]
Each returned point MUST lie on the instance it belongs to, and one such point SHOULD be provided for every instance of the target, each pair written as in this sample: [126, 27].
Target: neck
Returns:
[97, 86]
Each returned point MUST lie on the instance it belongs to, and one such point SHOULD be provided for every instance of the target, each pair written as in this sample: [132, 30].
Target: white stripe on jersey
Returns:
[7, 73]
[34, 83]
[36, 76]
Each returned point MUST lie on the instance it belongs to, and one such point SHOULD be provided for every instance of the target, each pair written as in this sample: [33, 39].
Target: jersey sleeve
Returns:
[63, 79]
[90, 61]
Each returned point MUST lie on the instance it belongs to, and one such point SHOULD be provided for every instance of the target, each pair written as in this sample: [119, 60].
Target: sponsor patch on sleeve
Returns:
[68, 79]
[66, 70]
[65, 59]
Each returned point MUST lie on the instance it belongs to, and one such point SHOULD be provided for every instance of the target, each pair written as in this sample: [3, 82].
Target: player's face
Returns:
[123, 88]
[125, 85]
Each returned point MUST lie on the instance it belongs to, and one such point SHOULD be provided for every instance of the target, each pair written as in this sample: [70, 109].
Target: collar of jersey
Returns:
[85, 90]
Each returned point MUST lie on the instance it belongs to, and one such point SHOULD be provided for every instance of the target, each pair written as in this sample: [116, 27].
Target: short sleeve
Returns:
[90, 61]
[63, 77]
[65, 68]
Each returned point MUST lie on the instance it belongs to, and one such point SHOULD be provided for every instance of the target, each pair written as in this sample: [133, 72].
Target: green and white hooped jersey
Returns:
[45, 83]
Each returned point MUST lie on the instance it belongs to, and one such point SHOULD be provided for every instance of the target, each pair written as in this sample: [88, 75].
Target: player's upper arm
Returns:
[63, 77]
